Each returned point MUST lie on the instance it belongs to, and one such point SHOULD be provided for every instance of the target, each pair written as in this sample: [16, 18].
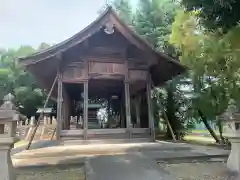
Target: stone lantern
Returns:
[8, 122]
[231, 130]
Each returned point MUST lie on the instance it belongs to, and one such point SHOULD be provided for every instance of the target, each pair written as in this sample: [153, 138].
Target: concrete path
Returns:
[159, 151]
[124, 167]
[131, 161]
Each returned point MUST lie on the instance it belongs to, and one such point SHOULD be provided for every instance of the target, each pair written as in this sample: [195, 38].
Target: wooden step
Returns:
[105, 134]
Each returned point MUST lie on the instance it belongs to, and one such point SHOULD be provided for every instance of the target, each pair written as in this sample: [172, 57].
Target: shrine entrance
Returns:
[110, 95]
[105, 104]
[106, 114]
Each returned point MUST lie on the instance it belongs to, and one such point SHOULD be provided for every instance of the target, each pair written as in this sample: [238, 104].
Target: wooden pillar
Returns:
[2, 128]
[59, 108]
[108, 111]
[127, 105]
[85, 109]
[122, 116]
[64, 113]
[65, 110]
[137, 109]
[150, 111]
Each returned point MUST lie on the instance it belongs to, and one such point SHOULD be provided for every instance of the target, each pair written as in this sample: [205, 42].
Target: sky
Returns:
[31, 22]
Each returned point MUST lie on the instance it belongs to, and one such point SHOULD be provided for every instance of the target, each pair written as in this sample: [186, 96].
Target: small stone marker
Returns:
[8, 117]
[45, 120]
[27, 122]
[54, 121]
[32, 121]
[49, 120]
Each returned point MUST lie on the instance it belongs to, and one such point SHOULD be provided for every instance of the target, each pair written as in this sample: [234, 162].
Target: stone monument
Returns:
[8, 122]
[231, 130]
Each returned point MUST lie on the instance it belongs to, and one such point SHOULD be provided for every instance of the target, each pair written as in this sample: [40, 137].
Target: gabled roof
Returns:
[110, 16]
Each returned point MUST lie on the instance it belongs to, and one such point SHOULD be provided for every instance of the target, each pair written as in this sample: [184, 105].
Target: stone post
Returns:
[27, 122]
[54, 121]
[231, 130]
[81, 122]
[49, 120]
[32, 121]
[9, 118]
[45, 120]
[20, 123]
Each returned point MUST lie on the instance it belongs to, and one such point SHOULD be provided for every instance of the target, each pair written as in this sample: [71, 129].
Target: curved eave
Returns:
[72, 41]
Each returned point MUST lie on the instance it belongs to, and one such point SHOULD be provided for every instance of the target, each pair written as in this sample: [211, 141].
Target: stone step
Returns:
[99, 140]
[89, 120]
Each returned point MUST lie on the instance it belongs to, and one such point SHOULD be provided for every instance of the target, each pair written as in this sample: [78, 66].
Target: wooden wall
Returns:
[78, 72]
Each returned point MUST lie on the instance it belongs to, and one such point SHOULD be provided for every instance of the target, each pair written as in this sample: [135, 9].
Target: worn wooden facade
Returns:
[105, 59]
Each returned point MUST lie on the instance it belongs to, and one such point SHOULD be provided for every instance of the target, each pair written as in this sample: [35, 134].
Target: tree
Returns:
[213, 64]
[124, 10]
[153, 21]
[122, 7]
[215, 14]
[14, 79]
[43, 46]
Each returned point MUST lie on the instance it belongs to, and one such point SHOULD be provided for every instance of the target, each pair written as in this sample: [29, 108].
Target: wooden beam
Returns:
[66, 109]
[106, 131]
[41, 114]
[108, 110]
[127, 105]
[134, 38]
[122, 115]
[150, 111]
[85, 110]
[137, 109]
[127, 100]
[59, 107]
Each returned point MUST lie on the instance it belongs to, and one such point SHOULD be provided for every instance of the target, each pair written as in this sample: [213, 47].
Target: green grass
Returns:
[199, 131]
[200, 139]
[203, 131]
[20, 143]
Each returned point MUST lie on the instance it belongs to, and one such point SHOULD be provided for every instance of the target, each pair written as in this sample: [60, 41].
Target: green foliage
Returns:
[215, 14]
[153, 21]
[213, 61]
[124, 10]
[43, 46]
[14, 79]
[122, 7]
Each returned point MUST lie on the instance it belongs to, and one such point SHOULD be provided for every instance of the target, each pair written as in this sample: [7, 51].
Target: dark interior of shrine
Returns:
[108, 94]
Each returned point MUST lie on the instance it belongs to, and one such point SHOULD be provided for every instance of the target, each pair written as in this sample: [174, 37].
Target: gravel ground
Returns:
[199, 171]
[51, 174]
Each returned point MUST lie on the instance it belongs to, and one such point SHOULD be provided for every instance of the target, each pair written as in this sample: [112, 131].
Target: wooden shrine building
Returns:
[106, 63]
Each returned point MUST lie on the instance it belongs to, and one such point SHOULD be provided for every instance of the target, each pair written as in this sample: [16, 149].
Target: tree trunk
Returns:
[209, 128]
[220, 129]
